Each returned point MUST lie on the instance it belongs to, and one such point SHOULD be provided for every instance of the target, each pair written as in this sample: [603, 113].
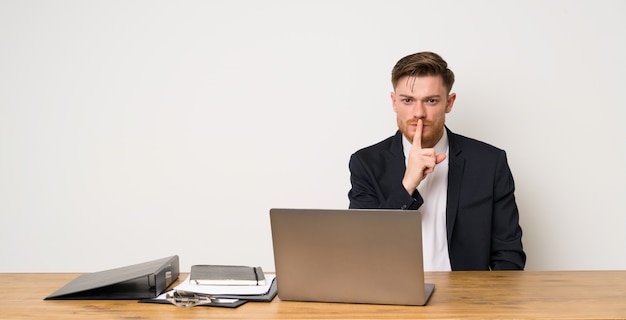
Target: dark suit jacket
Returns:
[482, 219]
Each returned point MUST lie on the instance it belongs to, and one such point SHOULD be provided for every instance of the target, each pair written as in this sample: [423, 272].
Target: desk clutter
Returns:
[149, 282]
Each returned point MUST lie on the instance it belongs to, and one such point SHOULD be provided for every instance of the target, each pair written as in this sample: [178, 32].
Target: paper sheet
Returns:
[227, 290]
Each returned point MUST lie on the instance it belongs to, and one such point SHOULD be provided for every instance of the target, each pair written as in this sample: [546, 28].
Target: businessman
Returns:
[463, 188]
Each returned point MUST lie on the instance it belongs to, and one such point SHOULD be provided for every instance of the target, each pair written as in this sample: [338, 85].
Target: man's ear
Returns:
[450, 103]
[393, 101]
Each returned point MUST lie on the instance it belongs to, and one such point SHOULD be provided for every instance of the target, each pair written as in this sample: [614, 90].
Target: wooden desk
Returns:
[459, 295]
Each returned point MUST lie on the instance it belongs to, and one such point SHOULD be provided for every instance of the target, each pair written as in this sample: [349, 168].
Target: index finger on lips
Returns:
[417, 138]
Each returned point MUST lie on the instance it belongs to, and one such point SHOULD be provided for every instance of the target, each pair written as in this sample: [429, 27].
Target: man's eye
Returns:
[407, 100]
[432, 101]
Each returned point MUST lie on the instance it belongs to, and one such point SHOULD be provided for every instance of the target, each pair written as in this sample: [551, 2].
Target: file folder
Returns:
[220, 299]
[138, 281]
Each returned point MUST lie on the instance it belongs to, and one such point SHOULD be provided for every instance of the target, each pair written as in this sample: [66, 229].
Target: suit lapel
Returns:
[456, 164]
[396, 145]
[397, 157]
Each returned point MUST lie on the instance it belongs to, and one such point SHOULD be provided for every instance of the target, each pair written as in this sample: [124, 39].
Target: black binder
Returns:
[139, 281]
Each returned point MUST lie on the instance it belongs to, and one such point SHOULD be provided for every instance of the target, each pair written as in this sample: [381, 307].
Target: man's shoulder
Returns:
[468, 144]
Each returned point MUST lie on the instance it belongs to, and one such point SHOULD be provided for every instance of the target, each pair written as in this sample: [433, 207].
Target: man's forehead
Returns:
[422, 85]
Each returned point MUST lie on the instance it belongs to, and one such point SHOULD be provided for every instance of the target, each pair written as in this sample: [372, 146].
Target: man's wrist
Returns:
[409, 187]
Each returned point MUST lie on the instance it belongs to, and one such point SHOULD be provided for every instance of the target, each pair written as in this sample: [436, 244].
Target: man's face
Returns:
[423, 98]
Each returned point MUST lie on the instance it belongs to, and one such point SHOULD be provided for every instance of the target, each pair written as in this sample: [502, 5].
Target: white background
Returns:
[134, 130]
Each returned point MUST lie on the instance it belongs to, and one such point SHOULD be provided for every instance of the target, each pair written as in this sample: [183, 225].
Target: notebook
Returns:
[350, 256]
[227, 275]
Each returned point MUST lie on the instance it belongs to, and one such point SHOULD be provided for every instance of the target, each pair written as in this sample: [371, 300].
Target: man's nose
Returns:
[419, 112]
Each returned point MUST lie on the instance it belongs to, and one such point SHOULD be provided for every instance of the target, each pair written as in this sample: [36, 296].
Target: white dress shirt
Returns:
[434, 191]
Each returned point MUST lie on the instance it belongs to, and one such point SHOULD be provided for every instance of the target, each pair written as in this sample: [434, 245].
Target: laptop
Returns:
[348, 255]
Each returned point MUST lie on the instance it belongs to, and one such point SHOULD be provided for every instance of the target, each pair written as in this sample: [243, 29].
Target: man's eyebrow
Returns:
[425, 98]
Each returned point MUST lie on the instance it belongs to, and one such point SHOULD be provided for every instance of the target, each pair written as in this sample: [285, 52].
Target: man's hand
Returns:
[421, 162]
